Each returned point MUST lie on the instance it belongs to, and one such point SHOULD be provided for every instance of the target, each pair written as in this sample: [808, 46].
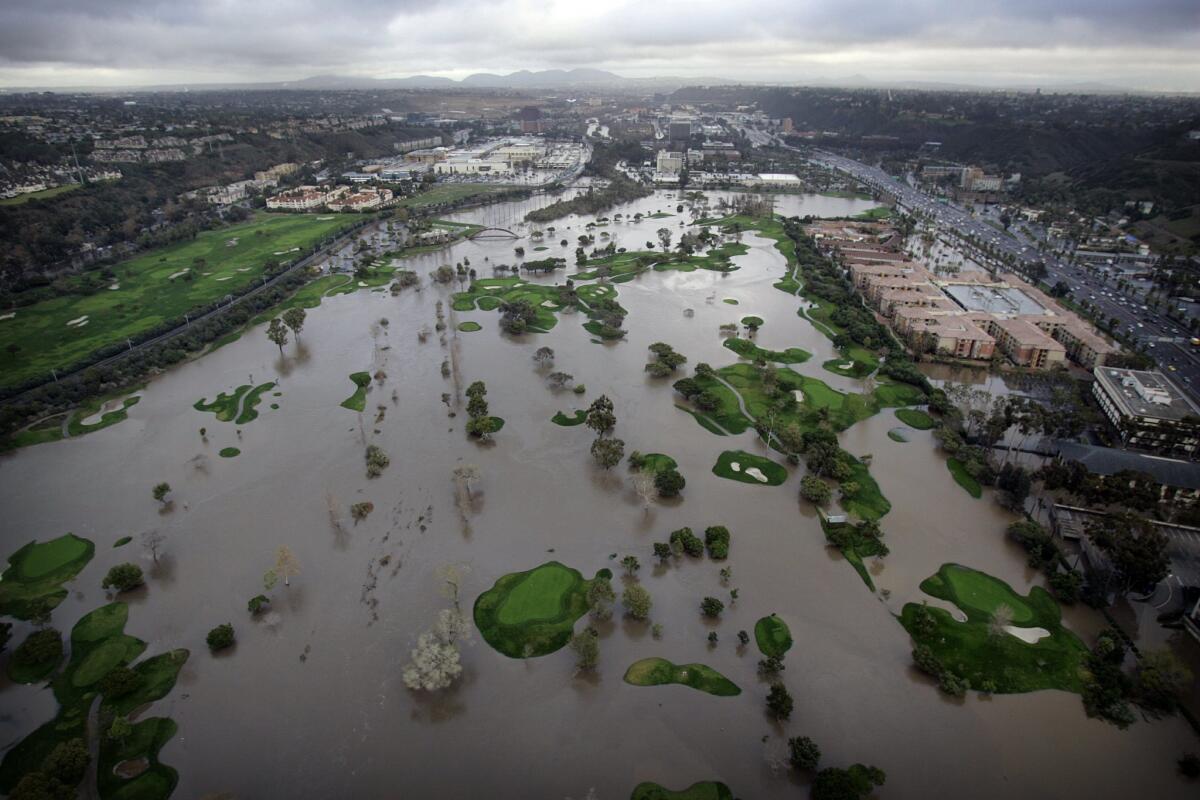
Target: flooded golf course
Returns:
[310, 702]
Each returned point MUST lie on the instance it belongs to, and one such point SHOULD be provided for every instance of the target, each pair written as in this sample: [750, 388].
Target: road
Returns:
[1165, 339]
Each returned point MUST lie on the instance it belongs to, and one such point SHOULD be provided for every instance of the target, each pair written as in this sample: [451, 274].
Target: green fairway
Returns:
[532, 613]
[152, 289]
[659, 672]
[738, 465]
[569, 421]
[772, 636]
[706, 790]
[237, 407]
[752, 352]
[32, 583]
[99, 645]
[868, 503]
[963, 478]
[358, 400]
[915, 418]
[996, 659]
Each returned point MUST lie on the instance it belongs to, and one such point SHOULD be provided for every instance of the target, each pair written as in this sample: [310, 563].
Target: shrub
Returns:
[779, 701]
[119, 682]
[123, 577]
[711, 607]
[220, 637]
[637, 601]
[716, 539]
[804, 753]
[40, 647]
[68, 762]
[669, 483]
[258, 603]
[952, 684]
[683, 540]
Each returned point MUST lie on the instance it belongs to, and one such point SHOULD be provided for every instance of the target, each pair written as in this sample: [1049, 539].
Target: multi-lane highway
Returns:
[1167, 340]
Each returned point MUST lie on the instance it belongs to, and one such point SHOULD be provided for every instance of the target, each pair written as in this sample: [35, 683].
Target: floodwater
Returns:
[310, 703]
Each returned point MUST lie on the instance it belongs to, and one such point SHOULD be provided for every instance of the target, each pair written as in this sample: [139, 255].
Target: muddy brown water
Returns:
[310, 702]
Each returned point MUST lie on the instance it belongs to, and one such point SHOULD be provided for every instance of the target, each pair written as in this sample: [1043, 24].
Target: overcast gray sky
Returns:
[1150, 44]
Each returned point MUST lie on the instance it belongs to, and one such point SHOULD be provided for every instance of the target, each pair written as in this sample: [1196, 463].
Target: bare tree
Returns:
[643, 484]
[463, 477]
[286, 566]
[152, 542]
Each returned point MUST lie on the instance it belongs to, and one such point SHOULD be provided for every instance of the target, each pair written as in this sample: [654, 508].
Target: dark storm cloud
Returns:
[729, 38]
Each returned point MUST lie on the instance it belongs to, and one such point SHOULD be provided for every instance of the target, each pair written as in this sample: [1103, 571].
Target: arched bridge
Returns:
[494, 233]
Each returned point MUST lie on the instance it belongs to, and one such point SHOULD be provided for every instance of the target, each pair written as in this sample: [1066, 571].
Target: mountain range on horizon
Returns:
[579, 78]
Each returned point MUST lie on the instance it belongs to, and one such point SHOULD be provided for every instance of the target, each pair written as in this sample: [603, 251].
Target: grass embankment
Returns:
[772, 636]
[32, 584]
[151, 289]
[897, 435]
[875, 214]
[487, 294]
[972, 650]
[958, 471]
[51, 428]
[857, 362]
[752, 352]
[868, 503]
[705, 790]
[358, 400]
[915, 418]
[99, 645]
[43, 194]
[659, 672]
[578, 418]
[532, 613]
[226, 406]
[736, 465]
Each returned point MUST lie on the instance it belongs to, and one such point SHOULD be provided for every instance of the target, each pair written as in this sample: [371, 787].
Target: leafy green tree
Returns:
[716, 539]
[123, 577]
[600, 416]
[608, 452]
[1160, 680]
[779, 701]
[669, 482]
[40, 647]
[119, 682]
[804, 753]
[834, 783]
[631, 565]
[161, 490]
[637, 601]
[294, 319]
[586, 645]
[68, 762]
[814, 490]
[277, 333]
[1137, 549]
[684, 541]
[662, 551]
[600, 597]
[711, 607]
[120, 729]
[220, 637]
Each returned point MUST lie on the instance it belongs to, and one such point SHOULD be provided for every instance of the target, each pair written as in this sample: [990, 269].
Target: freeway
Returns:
[1167, 340]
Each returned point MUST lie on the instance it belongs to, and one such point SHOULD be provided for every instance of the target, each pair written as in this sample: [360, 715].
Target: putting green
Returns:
[32, 583]
[705, 790]
[978, 591]
[578, 418]
[914, 418]
[533, 613]
[752, 321]
[773, 637]
[660, 672]
[738, 465]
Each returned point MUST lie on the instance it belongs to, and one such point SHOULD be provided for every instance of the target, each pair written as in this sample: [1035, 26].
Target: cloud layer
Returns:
[1148, 44]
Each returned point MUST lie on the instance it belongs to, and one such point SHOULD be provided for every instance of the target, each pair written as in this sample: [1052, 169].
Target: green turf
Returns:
[848, 368]
[730, 301]
[99, 644]
[578, 418]
[752, 352]
[225, 406]
[658, 462]
[33, 581]
[775, 474]
[659, 671]
[972, 650]
[914, 418]
[124, 540]
[532, 613]
[874, 214]
[752, 321]
[868, 503]
[897, 435]
[43, 194]
[147, 296]
[705, 790]
[959, 472]
[229, 452]
[358, 400]
[469, 327]
[772, 636]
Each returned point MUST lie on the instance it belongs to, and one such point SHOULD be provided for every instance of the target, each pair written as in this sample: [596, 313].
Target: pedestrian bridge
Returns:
[494, 233]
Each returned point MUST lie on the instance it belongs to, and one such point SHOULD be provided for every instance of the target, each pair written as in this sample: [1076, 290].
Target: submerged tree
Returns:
[152, 542]
[277, 333]
[294, 319]
[586, 645]
[435, 660]
[286, 567]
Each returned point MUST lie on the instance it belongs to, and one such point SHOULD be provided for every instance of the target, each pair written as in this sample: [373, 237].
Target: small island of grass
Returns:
[963, 478]
[752, 352]
[578, 418]
[915, 418]
[738, 465]
[237, 407]
[730, 301]
[1031, 651]
[124, 540]
[772, 636]
[532, 613]
[659, 671]
[358, 400]
[32, 584]
[705, 790]
[229, 452]
[752, 321]
[469, 327]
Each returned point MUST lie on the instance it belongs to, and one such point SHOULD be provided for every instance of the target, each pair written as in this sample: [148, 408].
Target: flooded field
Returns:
[310, 702]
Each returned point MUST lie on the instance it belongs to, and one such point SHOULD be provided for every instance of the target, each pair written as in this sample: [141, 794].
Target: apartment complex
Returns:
[969, 315]
[306, 198]
[1148, 411]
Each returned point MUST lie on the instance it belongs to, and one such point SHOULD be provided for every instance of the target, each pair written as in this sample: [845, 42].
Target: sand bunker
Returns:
[799, 395]
[847, 365]
[9, 315]
[243, 269]
[114, 287]
[548, 304]
[323, 219]
[175, 275]
[224, 277]
[78, 322]
[362, 283]
[756, 473]
[1027, 635]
